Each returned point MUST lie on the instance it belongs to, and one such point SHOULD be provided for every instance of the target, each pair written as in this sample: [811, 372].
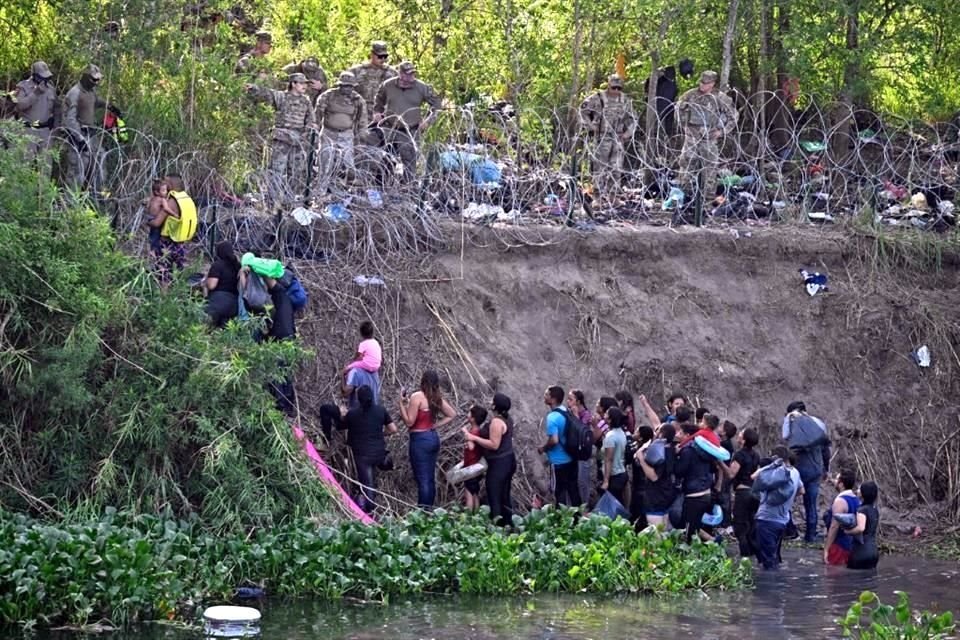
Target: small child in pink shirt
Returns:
[369, 353]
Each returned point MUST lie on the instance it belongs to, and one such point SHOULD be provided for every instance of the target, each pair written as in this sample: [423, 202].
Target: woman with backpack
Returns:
[657, 459]
[424, 412]
[496, 440]
[577, 405]
[221, 285]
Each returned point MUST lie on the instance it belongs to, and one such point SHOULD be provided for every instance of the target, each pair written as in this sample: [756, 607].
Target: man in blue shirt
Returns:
[563, 477]
[357, 378]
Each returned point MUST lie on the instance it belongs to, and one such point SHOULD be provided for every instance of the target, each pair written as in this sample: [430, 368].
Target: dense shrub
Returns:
[114, 392]
[127, 567]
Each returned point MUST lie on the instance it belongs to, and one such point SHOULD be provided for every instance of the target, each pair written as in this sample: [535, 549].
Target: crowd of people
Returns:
[687, 469]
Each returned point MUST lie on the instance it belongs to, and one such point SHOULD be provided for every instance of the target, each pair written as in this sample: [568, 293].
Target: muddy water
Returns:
[802, 601]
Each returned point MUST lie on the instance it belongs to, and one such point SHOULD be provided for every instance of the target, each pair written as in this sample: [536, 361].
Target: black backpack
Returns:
[577, 438]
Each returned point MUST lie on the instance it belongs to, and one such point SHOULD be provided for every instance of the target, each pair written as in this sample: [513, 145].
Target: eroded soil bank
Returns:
[720, 315]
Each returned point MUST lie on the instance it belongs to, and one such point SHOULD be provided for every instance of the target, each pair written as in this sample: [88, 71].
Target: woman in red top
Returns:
[424, 412]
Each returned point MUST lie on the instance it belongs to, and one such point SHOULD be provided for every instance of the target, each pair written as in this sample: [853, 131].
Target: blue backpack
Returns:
[297, 294]
[294, 288]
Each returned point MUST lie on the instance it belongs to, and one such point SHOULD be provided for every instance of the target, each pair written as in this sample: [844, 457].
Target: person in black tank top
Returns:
[866, 553]
[745, 461]
[496, 441]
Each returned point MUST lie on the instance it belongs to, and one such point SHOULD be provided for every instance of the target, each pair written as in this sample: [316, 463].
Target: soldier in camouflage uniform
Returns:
[246, 65]
[83, 149]
[370, 75]
[35, 98]
[316, 77]
[342, 114]
[706, 115]
[289, 140]
[608, 118]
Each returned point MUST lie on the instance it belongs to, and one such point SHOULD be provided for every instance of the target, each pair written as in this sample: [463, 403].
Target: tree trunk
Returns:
[766, 18]
[651, 120]
[851, 70]
[842, 116]
[728, 38]
[571, 123]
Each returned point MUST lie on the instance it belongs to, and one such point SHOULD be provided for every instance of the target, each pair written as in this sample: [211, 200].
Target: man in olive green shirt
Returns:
[398, 111]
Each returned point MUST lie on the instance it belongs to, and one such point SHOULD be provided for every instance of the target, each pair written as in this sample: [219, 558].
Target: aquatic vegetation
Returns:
[127, 568]
[870, 619]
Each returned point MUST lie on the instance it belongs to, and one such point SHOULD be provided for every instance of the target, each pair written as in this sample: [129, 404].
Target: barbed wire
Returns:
[364, 238]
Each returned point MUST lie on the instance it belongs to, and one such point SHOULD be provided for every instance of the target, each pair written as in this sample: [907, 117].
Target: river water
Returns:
[801, 601]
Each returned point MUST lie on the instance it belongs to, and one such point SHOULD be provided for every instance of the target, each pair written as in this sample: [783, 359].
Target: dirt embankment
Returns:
[722, 318]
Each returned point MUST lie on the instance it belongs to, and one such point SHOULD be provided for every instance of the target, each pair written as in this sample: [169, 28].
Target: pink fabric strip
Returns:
[327, 476]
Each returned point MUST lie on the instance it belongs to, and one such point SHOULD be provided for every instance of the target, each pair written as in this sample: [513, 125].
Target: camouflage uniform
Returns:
[35, 99]
[289, 141]
[342, 114]
[704, 117]
[369, 78]
[610, 120]
[84, 153]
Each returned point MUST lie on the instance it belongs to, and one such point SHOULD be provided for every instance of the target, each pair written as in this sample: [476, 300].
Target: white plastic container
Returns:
[231, 622]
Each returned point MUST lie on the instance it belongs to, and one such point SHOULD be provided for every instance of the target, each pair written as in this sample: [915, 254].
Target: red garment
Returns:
[424, 421]
[707, 435]
[837, 555]
[472, 456]
[631, 422]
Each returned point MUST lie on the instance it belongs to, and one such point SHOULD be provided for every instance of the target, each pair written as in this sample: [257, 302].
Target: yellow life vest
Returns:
[185, 228]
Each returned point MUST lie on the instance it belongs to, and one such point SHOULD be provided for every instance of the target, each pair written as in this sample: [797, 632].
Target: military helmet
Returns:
[347, 79]
[297, 77]
[41, 70]
[615, 81]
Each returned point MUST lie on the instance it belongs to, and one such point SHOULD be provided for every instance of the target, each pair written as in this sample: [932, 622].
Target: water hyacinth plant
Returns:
[127, 568]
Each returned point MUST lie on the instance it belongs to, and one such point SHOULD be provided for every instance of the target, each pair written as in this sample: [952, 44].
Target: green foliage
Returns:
[114, 392]
[130, 568]
[870, 619]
